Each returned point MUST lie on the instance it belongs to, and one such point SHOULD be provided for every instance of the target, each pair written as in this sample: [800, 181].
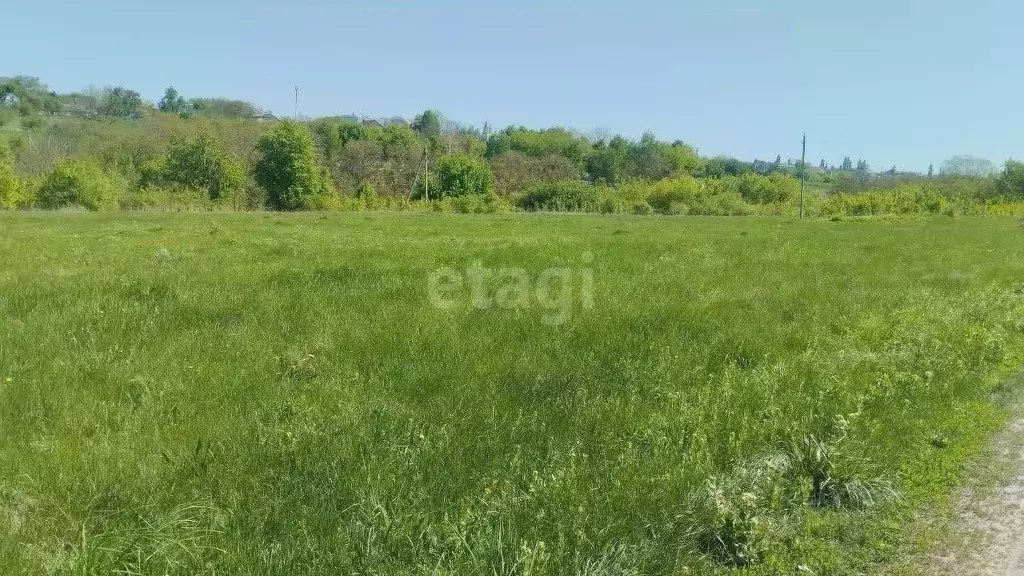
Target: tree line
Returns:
[108, 148]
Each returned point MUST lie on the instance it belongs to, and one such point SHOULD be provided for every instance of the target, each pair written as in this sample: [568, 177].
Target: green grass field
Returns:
[276, 394]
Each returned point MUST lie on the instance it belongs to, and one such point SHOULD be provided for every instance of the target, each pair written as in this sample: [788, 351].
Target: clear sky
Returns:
[904, 82]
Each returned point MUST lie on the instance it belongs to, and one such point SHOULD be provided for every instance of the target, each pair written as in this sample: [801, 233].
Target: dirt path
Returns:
[989, 534]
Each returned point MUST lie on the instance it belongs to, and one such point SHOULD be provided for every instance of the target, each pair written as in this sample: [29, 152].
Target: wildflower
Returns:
[8, 379]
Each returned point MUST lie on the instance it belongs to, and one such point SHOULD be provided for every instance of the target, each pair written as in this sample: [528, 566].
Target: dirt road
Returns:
[989, 533]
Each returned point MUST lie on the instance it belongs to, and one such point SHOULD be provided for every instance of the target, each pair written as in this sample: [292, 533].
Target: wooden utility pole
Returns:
[803, 174]
[296, 103]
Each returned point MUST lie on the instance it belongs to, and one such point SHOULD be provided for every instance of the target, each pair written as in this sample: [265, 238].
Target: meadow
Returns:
[264, 393]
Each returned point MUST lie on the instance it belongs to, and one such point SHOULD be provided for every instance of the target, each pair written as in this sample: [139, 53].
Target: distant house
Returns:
[370, 122]
[265, 117]
[395, 121]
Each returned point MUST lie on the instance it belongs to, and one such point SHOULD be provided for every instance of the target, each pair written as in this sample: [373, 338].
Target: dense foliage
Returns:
[75, 182]
[457, 175]
[287, 168]
[214, 153]
[201, 162]
[565, 196]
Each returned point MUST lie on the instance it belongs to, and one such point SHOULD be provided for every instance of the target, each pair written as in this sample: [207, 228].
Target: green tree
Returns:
[351, 132]
[223, 108]
[606, 162]
[429, 125]
[121, 103]
[458, 175]
[964, 165]
[725, 166]
[540, 144]
[172, 102]
[78, 182]
[395, 140]
[201, 162]
[328, 138]
[287, 169]
[1011, 182]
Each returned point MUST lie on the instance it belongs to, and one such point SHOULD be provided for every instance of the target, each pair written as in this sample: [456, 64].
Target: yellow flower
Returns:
[8, 379]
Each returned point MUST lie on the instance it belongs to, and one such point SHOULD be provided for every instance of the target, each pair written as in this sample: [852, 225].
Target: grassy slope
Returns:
[272, 394]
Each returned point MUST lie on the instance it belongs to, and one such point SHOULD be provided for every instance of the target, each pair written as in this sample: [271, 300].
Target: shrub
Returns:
[472, 204]
[642, 208]
[77, 182]
[286, 168]
[564, 196]
[170, 199]
[724, 204]
[457, 175]
[664, 194]
[367, 193]
[14, 193]
[902, 199]
[776, 187]
[324, 202]
[201, 162]
[514, 172]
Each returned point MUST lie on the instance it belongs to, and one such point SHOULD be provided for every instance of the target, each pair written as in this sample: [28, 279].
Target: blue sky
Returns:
[904, 82]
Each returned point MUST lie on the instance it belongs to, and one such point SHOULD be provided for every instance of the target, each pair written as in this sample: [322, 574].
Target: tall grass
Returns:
[273, 394]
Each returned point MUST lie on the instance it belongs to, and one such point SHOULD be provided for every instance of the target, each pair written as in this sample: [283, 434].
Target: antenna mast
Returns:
[803, 174]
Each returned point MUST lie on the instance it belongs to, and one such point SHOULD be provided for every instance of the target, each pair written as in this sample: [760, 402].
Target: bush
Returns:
[564, 196]
[78, 182]
[724, 204]
[776, 187]
[903, 199]
[200, 162]
[324, 202]
[457, 175]
[514, 172]
[287, 169]
[662, 195]
[366, 192]
[14, 193]
[170, 199]
[472, 204]
[367, 195]
[641, 208]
